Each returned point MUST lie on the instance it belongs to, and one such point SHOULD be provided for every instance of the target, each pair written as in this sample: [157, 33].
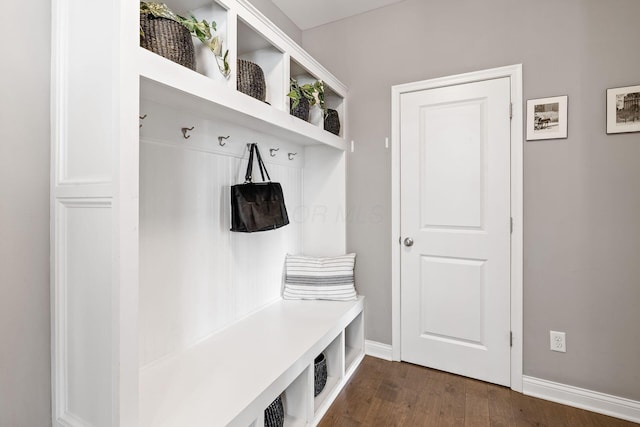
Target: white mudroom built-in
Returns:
[161, 315]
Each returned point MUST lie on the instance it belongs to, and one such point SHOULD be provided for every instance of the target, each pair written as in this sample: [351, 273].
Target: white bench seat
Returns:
[229, 378]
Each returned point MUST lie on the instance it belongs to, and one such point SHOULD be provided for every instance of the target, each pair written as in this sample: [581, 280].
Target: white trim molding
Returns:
[514, 73]
[378, 349]
[593, 401]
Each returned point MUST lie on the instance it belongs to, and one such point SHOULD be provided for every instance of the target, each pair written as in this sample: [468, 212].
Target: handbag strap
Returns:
[263, 167]
[248, 177]
[248, 174]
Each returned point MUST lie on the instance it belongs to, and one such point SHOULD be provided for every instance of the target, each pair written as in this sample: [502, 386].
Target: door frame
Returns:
[514, 72]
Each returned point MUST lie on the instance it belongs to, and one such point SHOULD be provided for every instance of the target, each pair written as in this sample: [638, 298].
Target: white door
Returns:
[455, 225]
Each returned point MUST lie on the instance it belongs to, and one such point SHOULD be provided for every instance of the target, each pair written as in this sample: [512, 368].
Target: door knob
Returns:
[408, 241]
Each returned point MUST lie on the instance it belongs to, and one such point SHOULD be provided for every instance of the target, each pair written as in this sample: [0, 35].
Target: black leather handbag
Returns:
[257, 206]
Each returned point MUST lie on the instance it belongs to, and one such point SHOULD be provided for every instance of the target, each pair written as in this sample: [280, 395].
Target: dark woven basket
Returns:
[167, 38]
[302, 110]
[251, 80]
[274, 414]
[332, 122]
[319, 374]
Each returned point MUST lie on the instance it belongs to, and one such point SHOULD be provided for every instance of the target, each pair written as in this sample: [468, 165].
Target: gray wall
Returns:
[582, 203]
[273, 12]
[25, 386]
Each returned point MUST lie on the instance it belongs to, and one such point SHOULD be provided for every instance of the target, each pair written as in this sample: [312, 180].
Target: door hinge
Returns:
[511, 110]
[510, 339]
[511, 226]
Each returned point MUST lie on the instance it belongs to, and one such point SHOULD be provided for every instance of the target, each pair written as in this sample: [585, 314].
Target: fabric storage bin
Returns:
[250, 80]
[332, 122]
[274, 414]
[319, 374]
[302, 109]
[167, 38]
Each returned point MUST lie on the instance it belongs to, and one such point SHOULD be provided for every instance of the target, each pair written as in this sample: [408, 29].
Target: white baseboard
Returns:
[379, 350]
[594, 401]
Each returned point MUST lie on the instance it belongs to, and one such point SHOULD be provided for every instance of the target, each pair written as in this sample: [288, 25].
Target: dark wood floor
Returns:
[385, 394]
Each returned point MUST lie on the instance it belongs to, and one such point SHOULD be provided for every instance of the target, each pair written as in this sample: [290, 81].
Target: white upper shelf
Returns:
[168, 83]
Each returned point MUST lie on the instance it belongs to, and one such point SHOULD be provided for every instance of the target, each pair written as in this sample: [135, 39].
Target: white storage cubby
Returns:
[211, 11]
[176, 320]
[334, 355]
[354, 342]
[256, 48]
[333, 99]
[294, 402]
[303, 76]
[295, 398]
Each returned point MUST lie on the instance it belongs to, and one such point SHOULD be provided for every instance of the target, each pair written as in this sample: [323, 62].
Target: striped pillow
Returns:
[320, 278]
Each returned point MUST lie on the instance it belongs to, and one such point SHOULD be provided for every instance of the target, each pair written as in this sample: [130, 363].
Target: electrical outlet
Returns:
[558, 341]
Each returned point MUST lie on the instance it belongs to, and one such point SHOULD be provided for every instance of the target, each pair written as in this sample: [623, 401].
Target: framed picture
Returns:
[547, 118]
[623, 109]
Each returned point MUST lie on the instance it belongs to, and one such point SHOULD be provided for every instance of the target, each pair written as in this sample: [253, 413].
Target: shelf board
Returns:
[168, 83]
[234, 374]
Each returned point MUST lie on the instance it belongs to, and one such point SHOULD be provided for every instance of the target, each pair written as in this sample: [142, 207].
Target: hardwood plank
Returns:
[499, 400]
[416, 378]
[338, 421]
[388, 394]
[556, 414]
[452, 408]
[355, 403]
[427, 407]
[476, 403]
[526, 411]
[385, 413]
[580, 417]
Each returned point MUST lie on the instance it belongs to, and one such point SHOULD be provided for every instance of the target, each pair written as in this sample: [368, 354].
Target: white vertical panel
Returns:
[87, 125]
[86, 97]
[452, 164]
[324, 214]
[195, 275]
[452, 288]
[82, 296]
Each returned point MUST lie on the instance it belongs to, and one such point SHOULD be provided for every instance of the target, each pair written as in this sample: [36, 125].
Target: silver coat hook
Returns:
[220, 138]
[142, 118]
[186, 130]
[272, 151]
[291, 155]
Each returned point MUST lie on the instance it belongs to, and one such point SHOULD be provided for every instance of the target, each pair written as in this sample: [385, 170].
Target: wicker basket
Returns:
[274, 414]
[332, 122]
[251, 80]
[167, 38]
[302, 110]
[319, 374]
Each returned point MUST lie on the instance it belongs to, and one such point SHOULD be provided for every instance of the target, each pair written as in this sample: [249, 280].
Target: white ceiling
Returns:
[312, 13]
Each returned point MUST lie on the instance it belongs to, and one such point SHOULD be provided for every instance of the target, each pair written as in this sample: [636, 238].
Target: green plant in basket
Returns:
[202, 30]
[158, 10]
[312, 92]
